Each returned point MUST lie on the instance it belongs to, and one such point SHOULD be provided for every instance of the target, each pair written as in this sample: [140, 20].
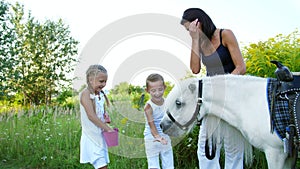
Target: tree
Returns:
[7, 59]
[44, 54]
[285, 49]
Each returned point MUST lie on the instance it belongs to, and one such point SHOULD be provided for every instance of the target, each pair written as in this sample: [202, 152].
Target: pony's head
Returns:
[181, 105]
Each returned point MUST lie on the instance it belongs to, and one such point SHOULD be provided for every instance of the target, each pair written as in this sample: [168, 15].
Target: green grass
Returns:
[45, 137]
[49, 138]
[40, 138]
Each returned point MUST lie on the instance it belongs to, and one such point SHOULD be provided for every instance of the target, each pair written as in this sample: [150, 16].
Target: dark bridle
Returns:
[209, 155]
[199, 101]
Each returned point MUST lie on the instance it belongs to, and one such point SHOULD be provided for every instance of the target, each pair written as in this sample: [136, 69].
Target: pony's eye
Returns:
[178, 102]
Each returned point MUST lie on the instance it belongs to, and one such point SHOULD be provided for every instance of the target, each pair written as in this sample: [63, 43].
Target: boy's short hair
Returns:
[154, 77]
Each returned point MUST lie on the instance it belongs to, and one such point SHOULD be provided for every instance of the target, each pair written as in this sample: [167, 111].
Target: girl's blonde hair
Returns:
[92, 71]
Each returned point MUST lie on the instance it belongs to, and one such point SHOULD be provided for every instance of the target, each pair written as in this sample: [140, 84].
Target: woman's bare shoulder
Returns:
[228, 37]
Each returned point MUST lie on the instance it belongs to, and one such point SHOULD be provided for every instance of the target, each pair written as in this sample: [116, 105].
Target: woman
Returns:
[219, 51]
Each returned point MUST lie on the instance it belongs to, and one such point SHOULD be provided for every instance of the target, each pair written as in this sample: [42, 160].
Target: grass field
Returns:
[48, 138]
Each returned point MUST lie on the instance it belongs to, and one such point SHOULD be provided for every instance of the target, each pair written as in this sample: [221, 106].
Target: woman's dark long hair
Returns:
[207, 25]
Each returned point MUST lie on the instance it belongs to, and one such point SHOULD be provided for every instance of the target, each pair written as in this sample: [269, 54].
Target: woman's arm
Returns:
[195, 60]
[229, 41]
[87, 103]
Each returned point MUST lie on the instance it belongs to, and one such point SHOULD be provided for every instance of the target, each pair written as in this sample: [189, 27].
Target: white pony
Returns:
[241, 101]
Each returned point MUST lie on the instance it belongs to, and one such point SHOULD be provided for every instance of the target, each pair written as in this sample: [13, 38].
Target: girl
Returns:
[93, 148]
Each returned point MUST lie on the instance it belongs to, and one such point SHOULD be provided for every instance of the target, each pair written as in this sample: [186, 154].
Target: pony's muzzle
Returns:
[165, 125]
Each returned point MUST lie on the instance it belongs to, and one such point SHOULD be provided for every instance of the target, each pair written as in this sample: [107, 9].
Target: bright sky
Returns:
[251, 21]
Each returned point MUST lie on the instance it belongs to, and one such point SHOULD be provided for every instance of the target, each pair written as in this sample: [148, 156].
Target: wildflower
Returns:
[124, 121]
[44, 158]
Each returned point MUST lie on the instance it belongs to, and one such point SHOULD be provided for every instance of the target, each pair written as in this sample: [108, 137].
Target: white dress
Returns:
[93, 148]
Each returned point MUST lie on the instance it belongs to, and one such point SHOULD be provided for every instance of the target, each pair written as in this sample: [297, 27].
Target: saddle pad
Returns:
[296, 108]
[281, 110]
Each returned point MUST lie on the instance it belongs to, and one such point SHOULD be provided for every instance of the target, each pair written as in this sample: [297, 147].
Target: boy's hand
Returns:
[161, 140]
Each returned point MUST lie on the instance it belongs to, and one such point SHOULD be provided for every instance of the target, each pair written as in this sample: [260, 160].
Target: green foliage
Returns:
[62, 97]
[38, 56]
[49, 137]
[186, 150]
[67, 98]
[137, 94]
[285, 49]
[169, 87]
[7, 59]
[40, 137]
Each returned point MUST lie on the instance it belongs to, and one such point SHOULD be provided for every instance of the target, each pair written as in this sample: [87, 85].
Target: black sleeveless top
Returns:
[220, 62]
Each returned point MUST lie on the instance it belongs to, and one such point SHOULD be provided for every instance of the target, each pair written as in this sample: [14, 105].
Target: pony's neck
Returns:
[225, 96]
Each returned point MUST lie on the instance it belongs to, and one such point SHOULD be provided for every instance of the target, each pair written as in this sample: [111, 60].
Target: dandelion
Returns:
[124, 121]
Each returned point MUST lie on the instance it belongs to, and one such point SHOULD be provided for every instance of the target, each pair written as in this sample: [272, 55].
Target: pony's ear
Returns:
[192, 87]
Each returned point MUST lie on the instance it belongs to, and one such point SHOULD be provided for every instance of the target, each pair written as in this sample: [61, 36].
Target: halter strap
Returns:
[199, 101]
